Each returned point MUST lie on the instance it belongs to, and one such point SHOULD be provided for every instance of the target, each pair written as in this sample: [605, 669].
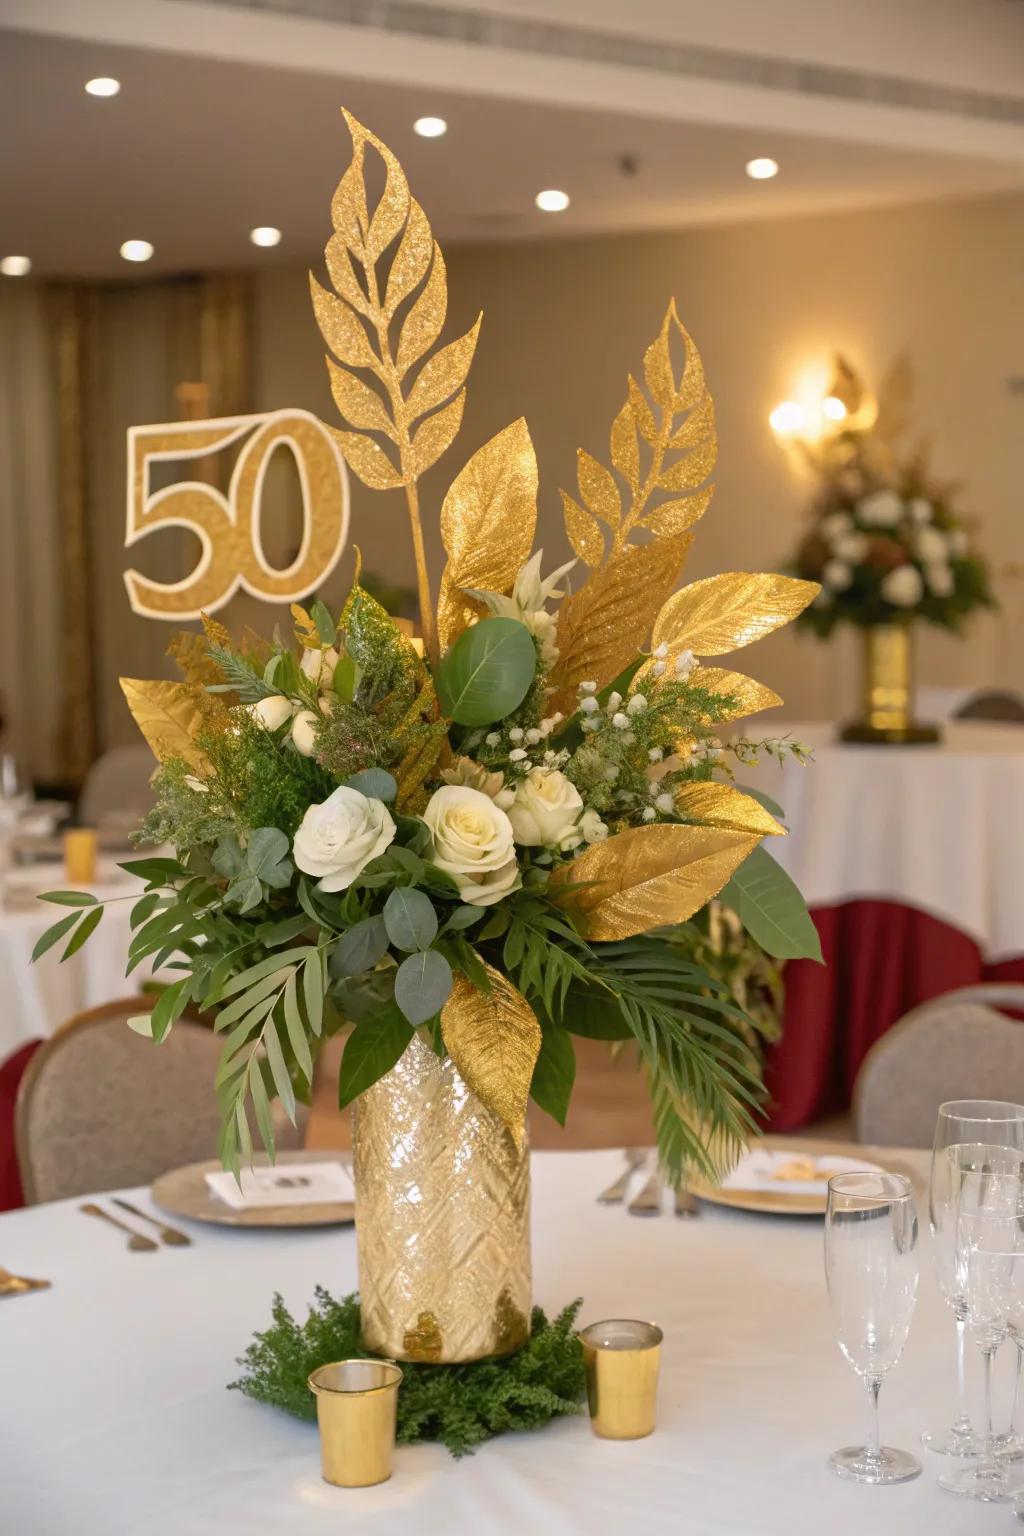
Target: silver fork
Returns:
[616, 1192]
[648, 1201]
[136, 1242]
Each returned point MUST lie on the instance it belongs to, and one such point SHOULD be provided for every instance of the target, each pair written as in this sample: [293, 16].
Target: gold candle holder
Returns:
[356, 1405]
[80, 855]
[621, 1357]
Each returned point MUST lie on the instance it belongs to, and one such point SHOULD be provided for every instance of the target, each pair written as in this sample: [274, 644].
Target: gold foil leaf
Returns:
[435, 435]
[487, 523]
[341, 328]
[625, 449]
[367, 459]
[582, 531]
[425, 320]
[494, 1040]
[598, 489]
[442, 374]
[357, 402]
[750, 695]
[411, 259]
[721, 805]
[168, 715]
[723, 613]
[647, 877]
[687, 473]
[677, 516]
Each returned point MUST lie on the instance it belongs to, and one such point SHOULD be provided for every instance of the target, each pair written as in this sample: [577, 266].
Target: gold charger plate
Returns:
[781, 1202]
[185, 1192]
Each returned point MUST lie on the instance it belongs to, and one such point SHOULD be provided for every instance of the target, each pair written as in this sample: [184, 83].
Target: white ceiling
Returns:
[196, 150]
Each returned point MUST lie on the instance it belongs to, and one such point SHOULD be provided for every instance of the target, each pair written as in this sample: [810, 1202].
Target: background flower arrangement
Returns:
[504, 833]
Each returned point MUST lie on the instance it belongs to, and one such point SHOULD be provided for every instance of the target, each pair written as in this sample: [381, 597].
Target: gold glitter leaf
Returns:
[700, 424]
[677, 516]
[582, 532]
[658, 368]
[598, 489]
[411, 259]
[494, 1040]
[720, 805]
[357, 402]
[168, 715]
[342, 275]
[390, 213]
[642, 412]
[436, 434]
[751, 696]
[368, 460]
[341, 328]
[647, 877]
[625, 450]
[723, 613]
[425, 320]
[442, 374]
[690, 472]
[487, 523]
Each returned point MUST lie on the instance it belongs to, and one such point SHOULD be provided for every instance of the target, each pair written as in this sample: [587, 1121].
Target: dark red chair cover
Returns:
[11, 1073]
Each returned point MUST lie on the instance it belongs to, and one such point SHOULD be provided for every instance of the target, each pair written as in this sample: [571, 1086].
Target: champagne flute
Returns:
[871, 1270]
[969, 1133]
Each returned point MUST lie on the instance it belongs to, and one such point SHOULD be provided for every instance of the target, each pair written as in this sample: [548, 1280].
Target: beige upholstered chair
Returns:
[954, 1047]
[117, 787]
[102, 1108]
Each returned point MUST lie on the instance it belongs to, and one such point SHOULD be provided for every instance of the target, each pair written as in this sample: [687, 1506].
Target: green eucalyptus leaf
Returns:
[266, 857]
[325, 625]
[487, 673]
[70, 898]
[771, 909]
[89, 923]
[359, 949]
[228, 859]
[157, 871]
[422, 985]
[54, 934]
[245, 893]
[374, 783]
[346, 679]
[464, 917]
[410, 919]
[372, 1049]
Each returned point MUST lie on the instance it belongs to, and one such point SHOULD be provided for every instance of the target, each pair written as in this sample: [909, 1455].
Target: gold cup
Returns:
[356, 1405]
[80, 855]
[621, 1358]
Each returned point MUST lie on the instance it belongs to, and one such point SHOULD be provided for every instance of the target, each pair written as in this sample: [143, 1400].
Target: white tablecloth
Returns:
[114, 1420]
[939, 828]
[36, 999]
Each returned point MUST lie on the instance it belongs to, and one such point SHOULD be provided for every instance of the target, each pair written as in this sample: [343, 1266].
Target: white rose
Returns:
[931, 544]
[319, 665]
[273, 712]
[837, 575]
[920, 510]
[853, 547]
[836, 525]
[902, 587]
[940, 578]
[473, 842]
[882, 509]
[593, 828]
[546, 809]
[304, 731]
[339, 837]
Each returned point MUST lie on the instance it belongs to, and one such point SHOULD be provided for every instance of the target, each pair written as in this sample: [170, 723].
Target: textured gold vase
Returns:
[888, 684]
[442, 1217]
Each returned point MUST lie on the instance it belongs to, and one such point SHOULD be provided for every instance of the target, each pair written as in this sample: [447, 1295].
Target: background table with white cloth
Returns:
[115, 1420]
[911, 861]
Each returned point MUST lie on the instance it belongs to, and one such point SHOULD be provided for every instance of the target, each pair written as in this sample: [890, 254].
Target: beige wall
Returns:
[565, 321]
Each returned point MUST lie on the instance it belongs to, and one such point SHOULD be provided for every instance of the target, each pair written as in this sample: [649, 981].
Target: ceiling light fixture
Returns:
[788, 418]
[265, 234]
[552, 201]
[762, 169]
[833, 409]
[15, 266]
[430, 127]
[103, 85]
[136, 250]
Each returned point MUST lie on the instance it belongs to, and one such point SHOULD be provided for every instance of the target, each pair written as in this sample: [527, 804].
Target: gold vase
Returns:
[888, 683]
[442, 1217]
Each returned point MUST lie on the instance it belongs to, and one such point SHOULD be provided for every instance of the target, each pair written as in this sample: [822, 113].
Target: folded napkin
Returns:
[287, 1184]
[791, 1171]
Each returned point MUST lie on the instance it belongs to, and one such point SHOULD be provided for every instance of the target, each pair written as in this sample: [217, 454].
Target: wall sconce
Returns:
[822, 410]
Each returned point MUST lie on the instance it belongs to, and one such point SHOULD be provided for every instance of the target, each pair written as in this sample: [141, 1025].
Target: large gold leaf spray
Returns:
[168, 715]
[665, 449]
[494, 1040]
[723, 613]
[721, 805]
[417, 414]
[487, 525]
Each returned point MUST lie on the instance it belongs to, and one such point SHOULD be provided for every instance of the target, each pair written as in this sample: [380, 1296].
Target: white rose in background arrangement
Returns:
[340, 836]
[902, 587]
[320, 665]
[837, 575]
[273, 712]
[852, 547]
[958, 542]
[920, 510]
[939, 577]
[930, 545]
[546, 810]
[473, 842]
[836, 525]
[882, 509]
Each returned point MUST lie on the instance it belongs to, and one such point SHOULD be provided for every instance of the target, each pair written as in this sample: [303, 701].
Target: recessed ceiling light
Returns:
[15, 266]
[103, 85]
[265, 234]
[552, 201]
[136, 250]
[430, 127]
[762, 169]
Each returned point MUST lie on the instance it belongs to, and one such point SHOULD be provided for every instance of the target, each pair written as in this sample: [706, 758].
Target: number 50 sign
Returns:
[228, 527]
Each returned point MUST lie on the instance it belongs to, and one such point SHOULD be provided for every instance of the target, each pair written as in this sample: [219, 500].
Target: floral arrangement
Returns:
[507, 831]
[886, 541]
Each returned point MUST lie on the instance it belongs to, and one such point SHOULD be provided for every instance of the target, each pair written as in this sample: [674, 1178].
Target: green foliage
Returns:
[771, 908]
[460, 1406]
[487, 673]
[422, 984]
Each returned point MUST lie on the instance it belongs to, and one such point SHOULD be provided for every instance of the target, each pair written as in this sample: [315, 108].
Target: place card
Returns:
[791, 1170]
[287, 1184]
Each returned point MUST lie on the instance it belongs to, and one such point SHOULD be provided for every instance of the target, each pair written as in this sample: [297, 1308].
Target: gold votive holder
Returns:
[621, 1357]
[356, 1408]
[80, 855]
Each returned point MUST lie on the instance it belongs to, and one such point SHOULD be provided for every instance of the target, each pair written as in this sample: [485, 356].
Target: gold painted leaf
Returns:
[168, 715]
[341, 328]
[625, 449]
[723, 613]
[750, 695]
[582, 531]
[642, 412]
[436, 434]
[658, 368]
[677, 516]
[692, 386]
[647, 877]
[357, 402]
[390, 213]
[487, 524]
[425, 320]
[442, 374]
[494, 1040]
[598, 489]
[367, 459]
[700, 424]
[342, 275]
[721, 805]
[411, 259]
[687, 473]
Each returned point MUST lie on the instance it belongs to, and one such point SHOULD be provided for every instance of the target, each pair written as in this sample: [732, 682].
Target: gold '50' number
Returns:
[228, 527]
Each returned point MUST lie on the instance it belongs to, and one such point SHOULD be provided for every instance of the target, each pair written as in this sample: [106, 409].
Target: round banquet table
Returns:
[114, 1417]
[910, 859]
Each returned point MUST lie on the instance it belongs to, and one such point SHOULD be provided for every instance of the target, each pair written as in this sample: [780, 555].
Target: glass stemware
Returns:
[969, 1133]
[871, 1271]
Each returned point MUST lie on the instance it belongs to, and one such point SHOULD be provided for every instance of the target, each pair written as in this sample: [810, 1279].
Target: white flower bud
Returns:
[492, 738]
[587, 688]
[636, 704]
[614, 700]
[649, 813]
[611, 772]
[516, 733]
[517, 755]
[658, 668]
[665, 803]
[655, 755]
[304, 731]
[661, 651]
[533, 736]
[589, 706]
[620, 721]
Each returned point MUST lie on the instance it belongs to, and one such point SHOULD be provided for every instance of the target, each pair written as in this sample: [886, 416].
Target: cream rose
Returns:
[546, 810]
[902, 587]
[273, 711]
[340, 836]
[304, 731]
[319, 666]
[473, 842]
